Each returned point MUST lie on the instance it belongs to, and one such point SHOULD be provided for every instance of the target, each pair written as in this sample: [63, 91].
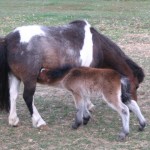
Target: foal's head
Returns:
[42, 77]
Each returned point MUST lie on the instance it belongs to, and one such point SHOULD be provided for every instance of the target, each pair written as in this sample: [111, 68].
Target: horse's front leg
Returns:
[133, 106]
[14, 88]
[29, 90]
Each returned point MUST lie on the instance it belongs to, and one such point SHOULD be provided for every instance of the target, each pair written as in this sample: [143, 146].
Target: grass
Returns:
[127, 23]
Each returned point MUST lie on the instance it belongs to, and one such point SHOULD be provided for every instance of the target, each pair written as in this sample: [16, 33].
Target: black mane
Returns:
[110, 48]
[137, 71]
[58, 72]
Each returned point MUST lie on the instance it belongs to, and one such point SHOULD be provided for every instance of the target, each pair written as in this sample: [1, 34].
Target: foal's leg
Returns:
[29, 89]
[86, 113]
[79, 103]
[125, 115]
[90, 105]
[133, 106]
[123, 110]
[14, 88]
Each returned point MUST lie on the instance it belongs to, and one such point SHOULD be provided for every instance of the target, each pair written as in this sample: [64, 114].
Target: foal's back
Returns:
[92, 80]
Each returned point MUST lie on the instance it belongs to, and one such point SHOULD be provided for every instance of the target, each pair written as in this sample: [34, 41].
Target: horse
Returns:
[28, 49]
[84, 82]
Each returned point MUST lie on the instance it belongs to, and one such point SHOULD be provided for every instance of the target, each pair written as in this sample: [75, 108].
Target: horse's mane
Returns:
[110, 45]
[78, 22]
[137, 71]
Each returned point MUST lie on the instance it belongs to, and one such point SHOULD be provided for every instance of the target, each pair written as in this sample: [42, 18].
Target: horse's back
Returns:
[33, 47]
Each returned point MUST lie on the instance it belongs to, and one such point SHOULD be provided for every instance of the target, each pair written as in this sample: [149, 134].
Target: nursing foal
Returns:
[84, 82]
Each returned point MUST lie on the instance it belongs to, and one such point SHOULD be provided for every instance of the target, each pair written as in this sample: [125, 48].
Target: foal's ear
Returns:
[43, 74]
[44, 70]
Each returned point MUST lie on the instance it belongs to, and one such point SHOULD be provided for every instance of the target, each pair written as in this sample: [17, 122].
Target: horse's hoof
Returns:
[75, 125]
[37, 123]
[122, 137]
[17, 125]
[44, 127]
[14, 122]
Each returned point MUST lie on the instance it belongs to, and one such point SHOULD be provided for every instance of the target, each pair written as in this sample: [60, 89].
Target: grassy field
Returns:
[127, 22]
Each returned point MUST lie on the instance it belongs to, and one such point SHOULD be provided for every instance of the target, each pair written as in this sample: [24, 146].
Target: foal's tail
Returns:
[125, 89]
[4, 79]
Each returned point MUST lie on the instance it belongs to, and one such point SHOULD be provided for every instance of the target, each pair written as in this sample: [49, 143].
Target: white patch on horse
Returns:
[14, 89]
[37, 120]
[27, 32]
[86, 53]
[22, 52]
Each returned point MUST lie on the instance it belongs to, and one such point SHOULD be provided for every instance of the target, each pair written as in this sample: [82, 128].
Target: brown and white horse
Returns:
[84, 82]
[27, 49]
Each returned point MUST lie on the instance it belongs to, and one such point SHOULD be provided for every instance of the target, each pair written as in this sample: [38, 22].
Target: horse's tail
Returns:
[125, 89]
[4, 79]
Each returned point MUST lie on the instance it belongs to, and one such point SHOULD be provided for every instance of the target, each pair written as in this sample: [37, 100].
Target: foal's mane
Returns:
[58, 72]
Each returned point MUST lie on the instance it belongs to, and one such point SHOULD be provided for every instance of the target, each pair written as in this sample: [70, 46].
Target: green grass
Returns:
[112, 17]
[127, 23]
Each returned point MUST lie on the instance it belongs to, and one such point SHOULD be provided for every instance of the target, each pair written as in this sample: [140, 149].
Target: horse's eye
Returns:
[137, 86]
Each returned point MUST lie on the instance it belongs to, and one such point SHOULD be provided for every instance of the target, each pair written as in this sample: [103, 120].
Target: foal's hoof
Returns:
[86, 120]
[122, 137]
[91, 108]
[76, 125]
[142, 126]
[44, 127]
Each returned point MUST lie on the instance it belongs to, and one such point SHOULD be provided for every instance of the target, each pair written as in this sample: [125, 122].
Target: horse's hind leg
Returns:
[133, 106]
[29, 90]
[14, 88]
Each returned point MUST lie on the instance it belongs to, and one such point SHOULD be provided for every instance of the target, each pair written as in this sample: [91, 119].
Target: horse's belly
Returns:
[55, 60]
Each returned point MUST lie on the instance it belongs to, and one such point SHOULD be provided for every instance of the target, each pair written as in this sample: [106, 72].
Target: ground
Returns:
[127, 23]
